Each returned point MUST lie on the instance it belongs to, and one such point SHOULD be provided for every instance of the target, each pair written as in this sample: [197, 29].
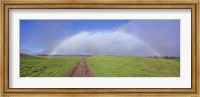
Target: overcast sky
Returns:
[100, 37]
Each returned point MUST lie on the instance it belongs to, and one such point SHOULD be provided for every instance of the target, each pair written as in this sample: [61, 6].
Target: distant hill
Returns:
[23, 54]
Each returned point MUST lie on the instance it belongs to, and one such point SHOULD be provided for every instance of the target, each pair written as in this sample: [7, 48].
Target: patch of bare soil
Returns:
[81, 69]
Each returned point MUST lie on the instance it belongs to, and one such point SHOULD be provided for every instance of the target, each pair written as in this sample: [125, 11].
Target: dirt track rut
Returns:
[81, 69]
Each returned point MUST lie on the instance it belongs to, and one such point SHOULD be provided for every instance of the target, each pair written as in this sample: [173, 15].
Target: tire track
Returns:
[81, 69]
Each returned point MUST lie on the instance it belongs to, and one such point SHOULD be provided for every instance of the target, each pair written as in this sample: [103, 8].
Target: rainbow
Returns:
[64, 42]
[148, 46]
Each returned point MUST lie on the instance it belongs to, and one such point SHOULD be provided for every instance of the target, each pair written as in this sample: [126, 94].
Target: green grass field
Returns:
[128, 66]
[56, 66]
[101, 66]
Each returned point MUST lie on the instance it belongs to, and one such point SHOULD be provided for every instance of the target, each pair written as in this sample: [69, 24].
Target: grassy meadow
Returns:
[44, 66]
[101, 66]
[130, 66]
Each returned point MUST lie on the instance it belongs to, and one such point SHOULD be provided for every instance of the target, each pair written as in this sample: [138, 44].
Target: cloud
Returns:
[112, 43]
[137, 38]
[162, 35]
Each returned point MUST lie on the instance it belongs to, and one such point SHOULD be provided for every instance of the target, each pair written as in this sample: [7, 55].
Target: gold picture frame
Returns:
[148, 92]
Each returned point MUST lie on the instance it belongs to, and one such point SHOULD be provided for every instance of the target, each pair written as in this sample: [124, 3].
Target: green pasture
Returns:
[130, 66]
[44, 66]
[101, 66]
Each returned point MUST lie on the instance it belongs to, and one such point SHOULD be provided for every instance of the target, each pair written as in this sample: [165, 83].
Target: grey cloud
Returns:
[134, 38]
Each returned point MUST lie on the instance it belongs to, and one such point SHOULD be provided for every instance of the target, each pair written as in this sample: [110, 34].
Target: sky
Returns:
[100, 37]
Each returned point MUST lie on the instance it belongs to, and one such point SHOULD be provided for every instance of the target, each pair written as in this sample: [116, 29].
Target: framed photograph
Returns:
[100, 48]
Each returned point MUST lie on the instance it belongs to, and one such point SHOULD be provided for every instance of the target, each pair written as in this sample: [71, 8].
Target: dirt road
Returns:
[81, 69]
